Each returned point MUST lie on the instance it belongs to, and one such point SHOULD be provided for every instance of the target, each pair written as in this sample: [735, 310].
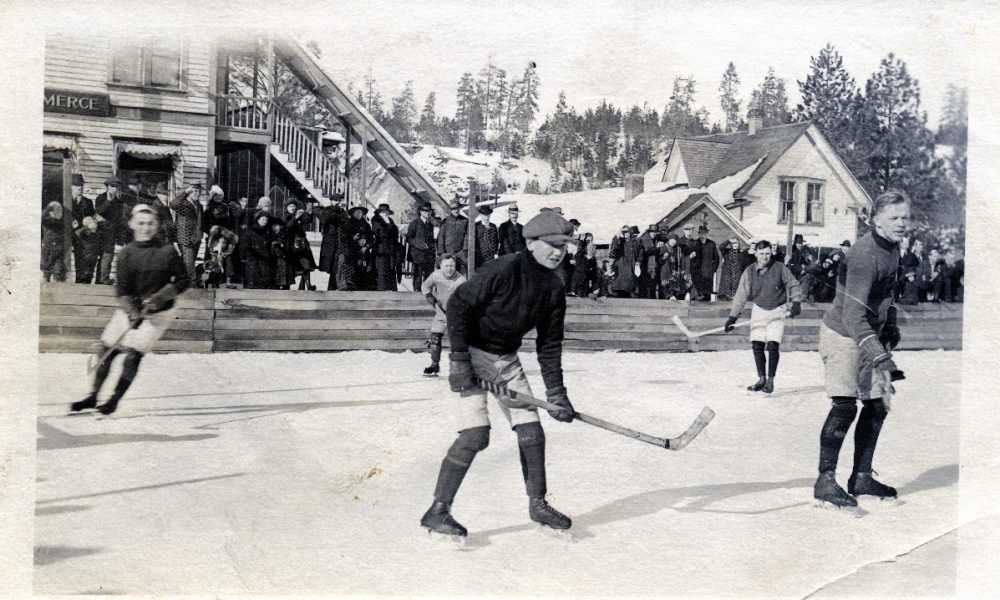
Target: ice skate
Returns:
[109, 407]
[549, 519]
[830, 495]
[768, 386]
[761, 382]
[441, 525]
[432, 371]
[863, 484]
[87, 403]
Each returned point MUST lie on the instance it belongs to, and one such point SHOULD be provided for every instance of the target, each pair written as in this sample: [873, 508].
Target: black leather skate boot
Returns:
[88, 402]
[542, 512]
[768, 385]
[439, 520]
[827, 490]
[863, 484]
[761, 382]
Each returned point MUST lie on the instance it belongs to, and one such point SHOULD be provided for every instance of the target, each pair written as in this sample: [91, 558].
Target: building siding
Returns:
[802, 159]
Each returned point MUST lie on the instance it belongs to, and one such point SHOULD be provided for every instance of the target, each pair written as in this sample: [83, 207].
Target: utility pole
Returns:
[470, 235]
[790, 215]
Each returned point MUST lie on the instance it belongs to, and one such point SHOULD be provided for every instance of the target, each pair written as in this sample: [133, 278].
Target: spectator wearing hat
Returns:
[258, 274]
[300, 256]
[216, 213]
[626, 252]
[732, 267]
[487, 237]
[188, 215]
[675, 265]
[113, 208]
[353, 251]
[386, 249]
[572, 252]
[331, 220]
[451, 237]
[511, 236]
[420, 238]
[159, 201]
[53, 254]
[800, 258]
[649, 267]
[585, 271]
[704, 264]
[82, 207]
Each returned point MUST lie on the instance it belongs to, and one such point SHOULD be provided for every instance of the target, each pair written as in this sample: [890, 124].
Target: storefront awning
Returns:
[146, 151]
[52, 142]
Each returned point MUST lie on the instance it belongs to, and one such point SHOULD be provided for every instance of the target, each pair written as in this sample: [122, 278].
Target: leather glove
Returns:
[796, 310]
[730, 322]
[431, 300]
[460, 374]
[159, 298]
[890, 336]
[558, 397]
[874, 353]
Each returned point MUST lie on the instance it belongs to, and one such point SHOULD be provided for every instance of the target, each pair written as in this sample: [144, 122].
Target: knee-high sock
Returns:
[531, 446]
[434, 345]
[457, 461]
[773, 354]
[129, 370]
[104, 368]
[838, 421]
[758, 357]
[866, 433]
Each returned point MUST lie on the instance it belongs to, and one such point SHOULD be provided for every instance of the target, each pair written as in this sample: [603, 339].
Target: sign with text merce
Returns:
[77, 103]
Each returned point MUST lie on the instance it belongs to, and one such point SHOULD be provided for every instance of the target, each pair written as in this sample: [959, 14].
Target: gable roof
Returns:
[700, 158]
[696, 200]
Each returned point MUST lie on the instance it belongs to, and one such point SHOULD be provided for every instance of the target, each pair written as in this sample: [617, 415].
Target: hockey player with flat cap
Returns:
[487, 318]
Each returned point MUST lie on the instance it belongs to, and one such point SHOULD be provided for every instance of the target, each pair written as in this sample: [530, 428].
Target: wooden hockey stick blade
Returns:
[680, 325]
[677, 443]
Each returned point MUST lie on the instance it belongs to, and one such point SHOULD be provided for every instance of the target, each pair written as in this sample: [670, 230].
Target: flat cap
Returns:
[548, 227]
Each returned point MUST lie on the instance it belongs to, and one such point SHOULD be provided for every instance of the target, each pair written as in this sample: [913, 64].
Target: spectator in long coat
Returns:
[626, 252]
[280, 256]
[160, 202]
[386, 248]
[732, 268]
[331, 219]
[511, 236]
[114, 208]
[239, 223]
[216, 213]
[354, 228]
[675, 277]
[487, 237]
[188, 219]
[585, 269]
[420, 237]
[257, 274]
[300, 256]
[649, 283]
[704, 265]
[451, 237]
[801, 257]
[82, 207]
[53, 254]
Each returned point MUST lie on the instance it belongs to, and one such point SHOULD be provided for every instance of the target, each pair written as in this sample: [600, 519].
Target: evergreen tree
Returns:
[953, 131]
[954, 127]
[831, 100]
[680, 119]
[527, 104]
[404, 114]
[428, 125]
[729, 98]
[468, 113]
[895, 142]
[769, 101]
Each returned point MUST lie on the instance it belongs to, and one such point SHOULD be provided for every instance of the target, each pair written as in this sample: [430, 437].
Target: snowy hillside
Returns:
[451, 167]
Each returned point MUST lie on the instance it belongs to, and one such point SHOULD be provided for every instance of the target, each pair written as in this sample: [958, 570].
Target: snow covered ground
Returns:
[307, 473]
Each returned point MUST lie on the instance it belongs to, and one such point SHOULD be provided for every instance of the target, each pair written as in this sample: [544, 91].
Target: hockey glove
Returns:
[875, 354]
[890, 336]
[132, 310]
[431, 300]
[558, 397]
[796, 310]
[730, 324]
[159, 299]
[460, 375]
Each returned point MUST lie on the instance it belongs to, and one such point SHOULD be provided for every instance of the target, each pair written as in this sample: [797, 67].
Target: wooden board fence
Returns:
[72, 316]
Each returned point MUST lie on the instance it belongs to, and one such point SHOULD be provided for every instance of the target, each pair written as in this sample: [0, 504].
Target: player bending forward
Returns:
[438, 289]
[855, 340]
[487, 318]
[767, 284]
[150, 275]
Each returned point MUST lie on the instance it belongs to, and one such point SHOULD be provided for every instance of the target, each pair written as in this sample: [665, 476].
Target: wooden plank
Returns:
[295, 295]
[100, 322]
[62, 297]
[370, 324]
[91, 333]
[665, 311]
[319, 334]
[641, 346]
[320, 304]
[316, 345]
[76, 345]
[274, 314]
[73, 310]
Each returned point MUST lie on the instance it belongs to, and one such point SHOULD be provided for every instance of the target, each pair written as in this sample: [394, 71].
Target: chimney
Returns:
[756, 124]
[634, 185]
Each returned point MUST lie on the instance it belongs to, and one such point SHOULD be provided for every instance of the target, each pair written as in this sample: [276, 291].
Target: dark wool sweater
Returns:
[768, 288]
[503, 301]
[145, 267]
[864, 288]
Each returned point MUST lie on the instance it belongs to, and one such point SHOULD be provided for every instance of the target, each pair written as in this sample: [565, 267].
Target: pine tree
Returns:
[953, 131]
[894, 140]
[527, 104]
[769, 102]
[831, 100]
[954, 126]
[468, 113]
[729, 98]
[680, 119]
[427, 126]
[404, 114]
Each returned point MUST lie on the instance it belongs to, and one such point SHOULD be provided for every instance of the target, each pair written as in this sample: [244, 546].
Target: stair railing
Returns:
[307, 154]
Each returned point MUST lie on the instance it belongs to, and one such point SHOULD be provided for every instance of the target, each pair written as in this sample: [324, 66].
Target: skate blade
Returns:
[879, 500]
[565, 535]
[848, 511]
[455, 542]
[430, 375]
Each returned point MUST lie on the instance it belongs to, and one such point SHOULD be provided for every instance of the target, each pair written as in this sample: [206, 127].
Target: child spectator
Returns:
[218, 269]
[909, 293]
[53, 253]
[607, 280]
[91, 238]
[283, 274]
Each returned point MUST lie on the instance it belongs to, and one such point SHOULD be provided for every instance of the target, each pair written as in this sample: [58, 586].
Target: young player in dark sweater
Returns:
[150, 276]
[855, 342]
[487, 319]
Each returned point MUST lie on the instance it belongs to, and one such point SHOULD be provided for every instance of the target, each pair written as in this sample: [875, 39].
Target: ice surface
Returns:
[307, 473]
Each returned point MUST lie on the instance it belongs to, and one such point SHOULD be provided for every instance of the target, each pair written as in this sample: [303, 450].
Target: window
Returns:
[787, 198]
[156, 64]
[814, 204]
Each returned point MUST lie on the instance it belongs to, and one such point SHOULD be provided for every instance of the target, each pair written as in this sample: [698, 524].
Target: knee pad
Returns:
[474, 439]
[846, 406]
[875, 409]
[771, 346]
[530, 434]
[757, 345]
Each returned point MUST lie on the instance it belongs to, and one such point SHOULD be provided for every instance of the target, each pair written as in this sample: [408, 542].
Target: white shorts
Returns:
[503, 369]
[842, 369]
[119, 334]
[767, 325]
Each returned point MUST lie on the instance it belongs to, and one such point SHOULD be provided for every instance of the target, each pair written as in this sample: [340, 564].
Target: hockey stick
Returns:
[93, 365]
[675, 443]
[697, 334]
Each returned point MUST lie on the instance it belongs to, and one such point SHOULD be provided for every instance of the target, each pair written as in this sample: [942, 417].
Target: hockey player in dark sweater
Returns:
[487, 319]
[150, 276]
[855, 342]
